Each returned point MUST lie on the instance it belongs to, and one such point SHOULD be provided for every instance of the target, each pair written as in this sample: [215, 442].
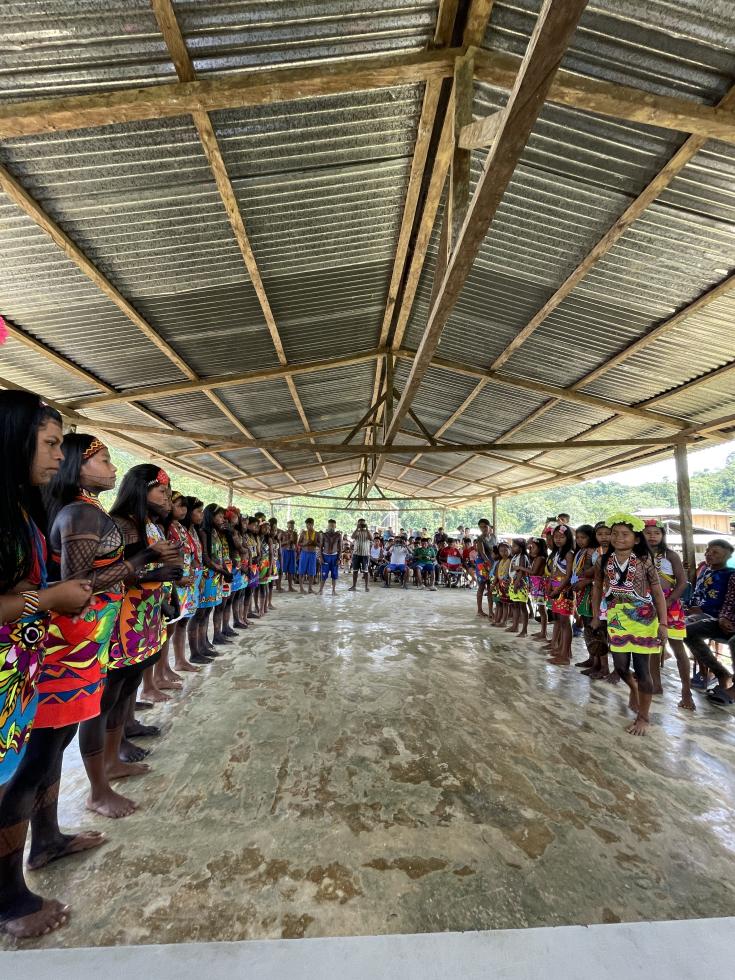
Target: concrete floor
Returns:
[389, 764]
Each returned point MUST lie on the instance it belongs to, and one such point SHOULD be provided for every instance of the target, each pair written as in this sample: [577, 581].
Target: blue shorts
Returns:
[426, 566]
[288, 561]
[330, 566]
[396, 568]
[307, 563]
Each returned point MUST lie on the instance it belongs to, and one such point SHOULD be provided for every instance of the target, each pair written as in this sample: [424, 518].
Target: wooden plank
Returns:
[480, 133]
[554, 28]
[617, 101]
[647, 196]
[258, 86]
[459, 173]
[225, 380]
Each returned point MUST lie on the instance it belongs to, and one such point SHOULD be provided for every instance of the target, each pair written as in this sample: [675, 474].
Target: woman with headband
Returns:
[30, 447]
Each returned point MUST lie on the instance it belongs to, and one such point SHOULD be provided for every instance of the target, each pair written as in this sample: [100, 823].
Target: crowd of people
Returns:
[105, 611]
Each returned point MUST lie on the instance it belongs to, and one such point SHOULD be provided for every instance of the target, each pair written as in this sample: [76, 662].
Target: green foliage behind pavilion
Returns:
[524, 513]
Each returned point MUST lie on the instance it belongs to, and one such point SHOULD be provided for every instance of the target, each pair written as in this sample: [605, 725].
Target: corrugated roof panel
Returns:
[238, 34]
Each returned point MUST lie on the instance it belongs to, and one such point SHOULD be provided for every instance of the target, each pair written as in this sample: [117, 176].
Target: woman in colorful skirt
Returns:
[187, 589]
[636, 611]
[239, 583]
[195, 626]
[581, 582]
[214, 572]
[537, 555]
[562, 596]
[264, 566]
[143, 500]
[252, 541]
[518, 587]
[30, 448]
[673, 581]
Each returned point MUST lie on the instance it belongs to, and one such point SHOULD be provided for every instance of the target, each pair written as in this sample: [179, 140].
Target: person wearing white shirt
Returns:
[397, 557]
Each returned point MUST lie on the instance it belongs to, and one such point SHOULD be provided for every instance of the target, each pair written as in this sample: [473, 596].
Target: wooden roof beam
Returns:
[552, 33]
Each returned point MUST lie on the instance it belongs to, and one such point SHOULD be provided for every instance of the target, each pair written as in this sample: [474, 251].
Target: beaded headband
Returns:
[161, 479]
[93, 448]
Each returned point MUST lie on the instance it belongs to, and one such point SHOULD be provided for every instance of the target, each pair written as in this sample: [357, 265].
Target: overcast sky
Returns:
[713, 458]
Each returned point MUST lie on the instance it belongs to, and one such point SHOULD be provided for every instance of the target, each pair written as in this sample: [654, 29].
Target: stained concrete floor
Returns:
[390, 764]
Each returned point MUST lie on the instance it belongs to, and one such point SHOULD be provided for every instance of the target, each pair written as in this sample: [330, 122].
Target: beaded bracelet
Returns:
[31, 605]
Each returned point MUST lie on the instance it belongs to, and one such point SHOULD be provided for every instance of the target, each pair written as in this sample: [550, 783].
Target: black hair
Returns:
[192, 504]
[64, 488]
[568, 541]
[210, 511]
[721, 543]
[521, 542]
[495, 552]
[132, 495]
[589, 531]
[22, 414]
[563, 514]
[309, 520]
[662, 547]
[640, 548]
[543, 551]
[467, 540]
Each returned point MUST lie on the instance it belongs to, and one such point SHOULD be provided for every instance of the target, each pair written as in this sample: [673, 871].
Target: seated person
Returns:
[710, 617]
[469, 559]
[376, 556]
[451, 562]
[424, 563]
[397, 558]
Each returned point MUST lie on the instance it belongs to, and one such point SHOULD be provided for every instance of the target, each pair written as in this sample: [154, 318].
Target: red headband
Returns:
[93, 448]
[161, 479]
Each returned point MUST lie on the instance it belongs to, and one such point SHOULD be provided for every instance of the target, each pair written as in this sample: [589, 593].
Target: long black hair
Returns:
[568, 541]
[64, 488]
[208, 527]
[543, 551]
[589, 532]
[22, 414]
[132, 497]
[662, 547]
[192, 504]
[640, 548]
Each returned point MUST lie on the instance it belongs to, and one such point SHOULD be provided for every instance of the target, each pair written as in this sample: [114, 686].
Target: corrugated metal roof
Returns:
[321, 183]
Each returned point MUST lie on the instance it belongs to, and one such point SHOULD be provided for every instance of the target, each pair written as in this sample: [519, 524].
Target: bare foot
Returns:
[512, 629]
[167, 685]
[522, 635]
[186, 667]
[540, 638]
[121, 770]
[687, 702]
[612, 678]
[560, 661]
[639, 726]
[111, 804]
[584, 663]
[658, 689]
[52, 915]
[155, 696]
[633, 702]
[67, 844]
[482, 615]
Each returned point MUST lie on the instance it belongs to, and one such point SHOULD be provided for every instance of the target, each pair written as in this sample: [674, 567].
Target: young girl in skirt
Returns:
[518, 587]
[538, 554]
[562, 596]
[636, 611]
[581, 582]
[501, 581]
[673, 581]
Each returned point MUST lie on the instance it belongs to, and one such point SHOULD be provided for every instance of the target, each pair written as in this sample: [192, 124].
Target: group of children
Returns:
[620, 587]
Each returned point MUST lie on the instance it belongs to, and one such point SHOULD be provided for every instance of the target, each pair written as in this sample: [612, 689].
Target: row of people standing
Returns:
[626, 588]
[91, 602]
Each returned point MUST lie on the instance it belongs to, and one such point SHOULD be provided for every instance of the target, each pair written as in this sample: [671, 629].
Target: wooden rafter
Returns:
[553, 30]
[176, 45]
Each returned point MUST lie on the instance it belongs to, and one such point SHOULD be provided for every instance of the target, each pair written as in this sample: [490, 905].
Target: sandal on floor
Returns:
[720, 695]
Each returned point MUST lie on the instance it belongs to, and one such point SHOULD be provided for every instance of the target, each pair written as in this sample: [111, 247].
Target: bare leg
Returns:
[480, 593]
[682, 663]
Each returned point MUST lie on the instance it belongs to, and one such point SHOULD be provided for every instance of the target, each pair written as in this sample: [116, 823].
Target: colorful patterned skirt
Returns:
[632, 626]
[138, 632]
[537, 586]
[254, 579]
[211, 596]
[264, 570]
[188, 596]
[503, 590]
[518, 593]
[563, 604]
[237, 582]
[482, 569]
[75, 663]
[21, 654]
[677, 620]
[225, 587]
[584, 601]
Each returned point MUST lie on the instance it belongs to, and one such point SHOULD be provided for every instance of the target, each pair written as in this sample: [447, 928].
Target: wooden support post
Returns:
[389, 391]
[230, 497]
[685, 510]
[495, 514]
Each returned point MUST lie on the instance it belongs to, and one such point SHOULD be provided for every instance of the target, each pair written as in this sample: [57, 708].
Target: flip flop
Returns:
[720, 695]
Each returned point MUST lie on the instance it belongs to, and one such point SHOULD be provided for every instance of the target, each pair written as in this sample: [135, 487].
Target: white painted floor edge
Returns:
[681, 950]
